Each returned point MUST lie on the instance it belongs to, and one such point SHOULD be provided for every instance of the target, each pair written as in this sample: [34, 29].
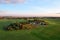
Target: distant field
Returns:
[49, 32]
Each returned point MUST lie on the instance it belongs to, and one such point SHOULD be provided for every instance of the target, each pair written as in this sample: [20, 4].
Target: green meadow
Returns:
[49, 32]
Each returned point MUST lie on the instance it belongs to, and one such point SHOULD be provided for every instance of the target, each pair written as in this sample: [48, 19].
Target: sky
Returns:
[30, 8]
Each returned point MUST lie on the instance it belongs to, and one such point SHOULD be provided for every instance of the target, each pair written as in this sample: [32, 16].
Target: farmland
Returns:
[49, 32]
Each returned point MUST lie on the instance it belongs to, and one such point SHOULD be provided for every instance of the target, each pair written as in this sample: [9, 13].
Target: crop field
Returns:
[49, 32]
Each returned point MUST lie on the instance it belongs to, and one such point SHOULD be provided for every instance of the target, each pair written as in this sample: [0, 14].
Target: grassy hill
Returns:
[49, 32]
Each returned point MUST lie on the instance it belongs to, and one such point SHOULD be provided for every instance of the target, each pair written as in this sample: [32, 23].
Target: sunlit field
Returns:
[49, 32]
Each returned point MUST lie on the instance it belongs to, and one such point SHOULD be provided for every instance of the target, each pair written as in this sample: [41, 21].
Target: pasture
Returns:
[49, 32]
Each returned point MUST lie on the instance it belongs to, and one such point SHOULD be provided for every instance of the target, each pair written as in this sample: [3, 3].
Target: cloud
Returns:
[21, 1]
[46, 10]
[28, 14]
[12, 1]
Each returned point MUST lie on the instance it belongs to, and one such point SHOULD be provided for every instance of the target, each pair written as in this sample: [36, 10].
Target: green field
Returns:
[49, 32]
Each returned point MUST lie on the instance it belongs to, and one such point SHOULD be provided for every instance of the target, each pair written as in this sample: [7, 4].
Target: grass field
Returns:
[49, 32]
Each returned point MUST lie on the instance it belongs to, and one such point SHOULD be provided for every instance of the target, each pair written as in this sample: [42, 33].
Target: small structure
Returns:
[41, 22]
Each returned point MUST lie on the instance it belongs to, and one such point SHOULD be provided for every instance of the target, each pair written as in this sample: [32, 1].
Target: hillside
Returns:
[49, 32]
